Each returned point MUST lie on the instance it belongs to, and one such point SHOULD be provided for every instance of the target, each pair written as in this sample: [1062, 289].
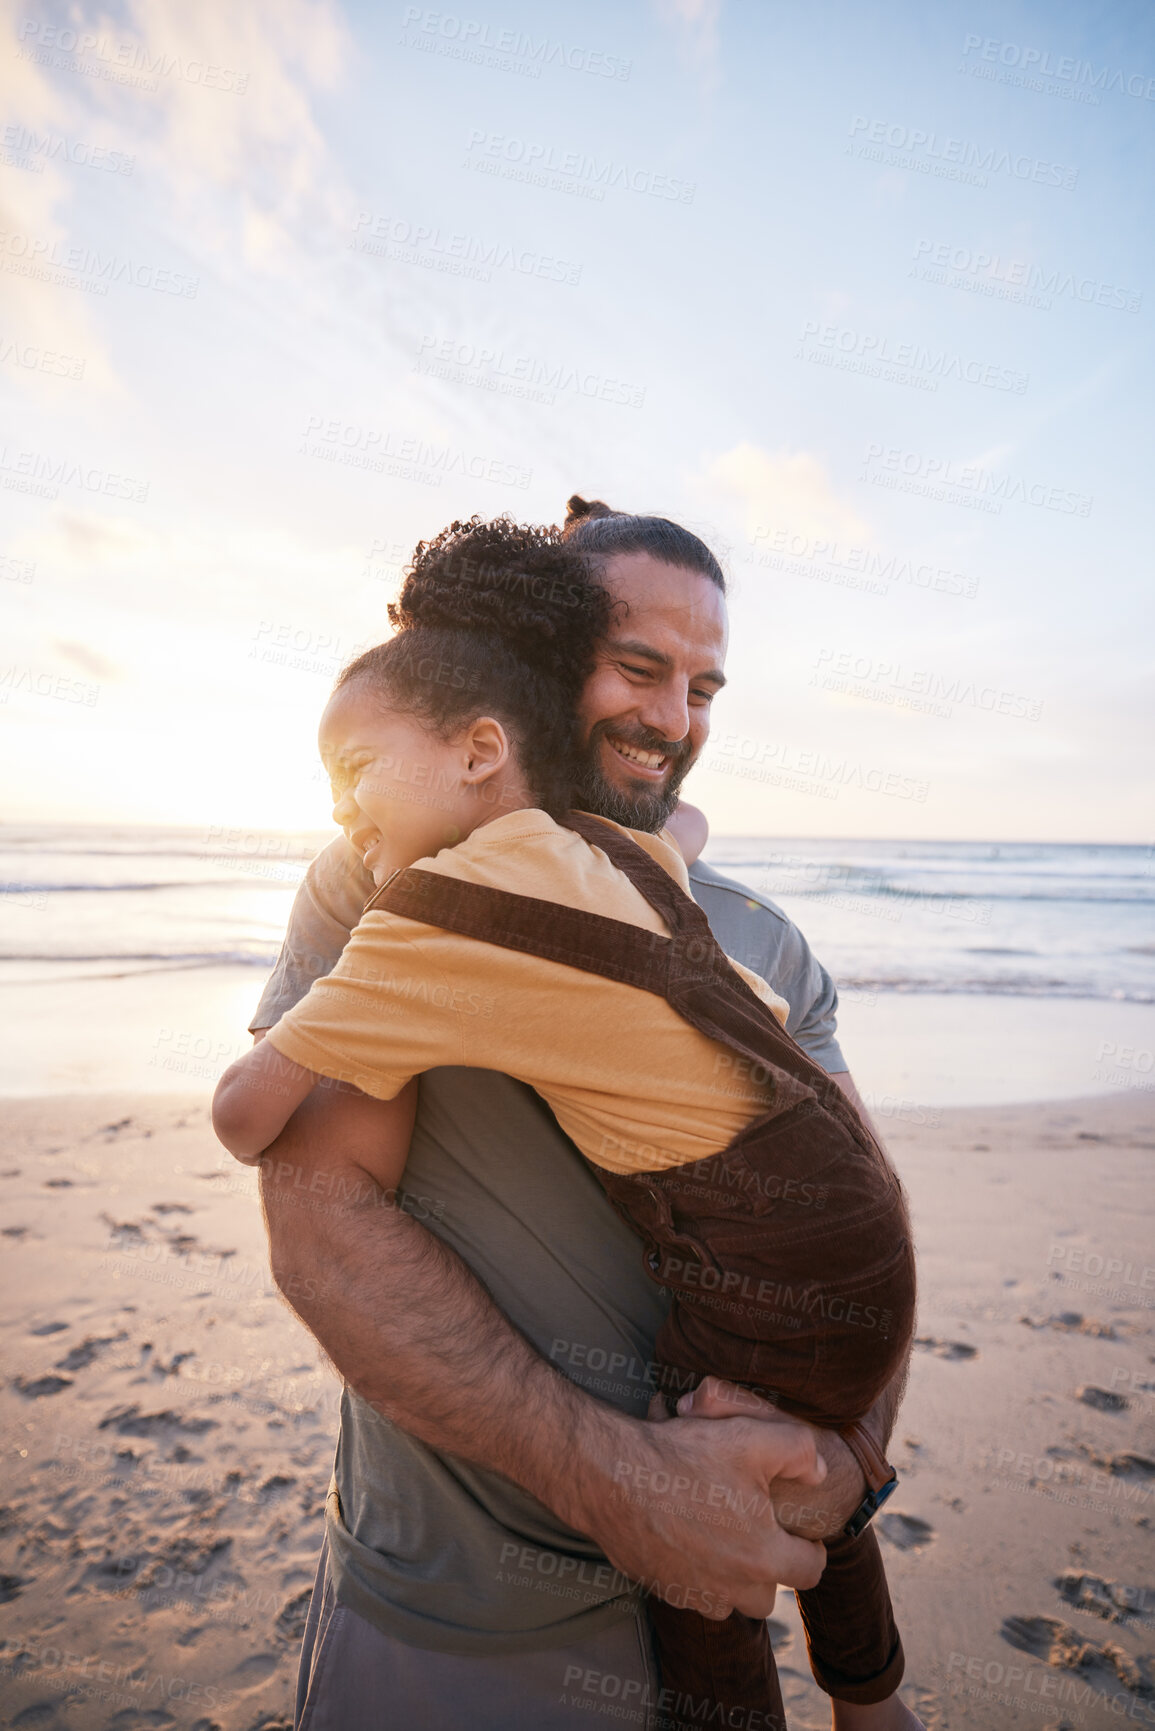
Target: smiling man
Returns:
[496, 1490]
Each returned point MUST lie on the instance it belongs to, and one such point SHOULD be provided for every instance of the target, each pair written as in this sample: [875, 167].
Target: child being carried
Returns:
[510, 933]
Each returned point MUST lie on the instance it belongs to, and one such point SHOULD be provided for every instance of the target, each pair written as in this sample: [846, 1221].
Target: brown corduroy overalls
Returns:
[788, 1254]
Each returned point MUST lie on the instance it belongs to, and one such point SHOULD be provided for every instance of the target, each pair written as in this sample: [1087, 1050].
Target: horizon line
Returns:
[728, 835]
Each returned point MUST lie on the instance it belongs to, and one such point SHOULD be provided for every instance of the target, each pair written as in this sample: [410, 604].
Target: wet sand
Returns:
[168, 1425]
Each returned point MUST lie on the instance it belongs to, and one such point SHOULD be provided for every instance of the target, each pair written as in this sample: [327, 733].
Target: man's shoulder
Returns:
[734, 896]
[755, 931]
[339, 881]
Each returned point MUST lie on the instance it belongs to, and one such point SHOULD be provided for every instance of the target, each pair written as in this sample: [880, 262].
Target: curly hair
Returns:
[495, 618]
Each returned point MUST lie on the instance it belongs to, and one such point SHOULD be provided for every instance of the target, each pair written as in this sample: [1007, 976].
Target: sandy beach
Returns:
[168, 1425]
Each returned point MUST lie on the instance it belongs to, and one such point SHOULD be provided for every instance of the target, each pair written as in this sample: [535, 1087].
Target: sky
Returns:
[860, 293]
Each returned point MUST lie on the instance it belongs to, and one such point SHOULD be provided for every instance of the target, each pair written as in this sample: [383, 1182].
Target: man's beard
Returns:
[646, 809]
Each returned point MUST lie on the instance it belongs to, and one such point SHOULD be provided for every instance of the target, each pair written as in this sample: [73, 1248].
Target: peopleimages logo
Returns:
[491, 368]
[474, 40]
[944, 478]
[882, 356]
[84, 267]
[1015, 279]
[458, 254]
[543, 164]
[24, 148]
[1067, 68]
[925, 149]
[124, 61]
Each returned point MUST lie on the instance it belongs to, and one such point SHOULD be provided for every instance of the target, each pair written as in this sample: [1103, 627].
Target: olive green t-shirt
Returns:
[436, 1552]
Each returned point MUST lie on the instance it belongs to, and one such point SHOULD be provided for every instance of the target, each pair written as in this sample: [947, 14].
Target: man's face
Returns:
[645, 710]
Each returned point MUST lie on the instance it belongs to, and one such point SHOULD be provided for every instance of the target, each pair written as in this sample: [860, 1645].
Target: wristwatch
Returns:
[881, 1478]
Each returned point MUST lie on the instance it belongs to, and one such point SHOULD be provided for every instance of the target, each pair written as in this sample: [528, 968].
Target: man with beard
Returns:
[496, 1490]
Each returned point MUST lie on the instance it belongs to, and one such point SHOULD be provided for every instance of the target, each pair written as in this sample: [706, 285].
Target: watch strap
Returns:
[875, 1466]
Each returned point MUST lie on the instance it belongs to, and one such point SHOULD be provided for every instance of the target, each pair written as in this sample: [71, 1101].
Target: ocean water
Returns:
[133, 956]
[1038, 920]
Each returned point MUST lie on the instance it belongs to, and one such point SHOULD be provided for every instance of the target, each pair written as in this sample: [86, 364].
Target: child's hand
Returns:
[715, 1398]
[690, 830]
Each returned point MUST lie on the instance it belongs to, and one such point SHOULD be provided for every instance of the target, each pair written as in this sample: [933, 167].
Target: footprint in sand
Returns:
[37, 1388]
[81, 1356]
[188, 1557]
[1131, 1465]
[123, 1231]
[273, 1487]
[291, 1621]
[41, 1716]
[956, 1349]
[254, 1672]
[50, 1328]
[1107, 1599]
[11, 1587]
[1102, 1399]
[1058, 1644]
[130, 1421]
[1072, 1322]
[906, 1532]
[1125, 1464]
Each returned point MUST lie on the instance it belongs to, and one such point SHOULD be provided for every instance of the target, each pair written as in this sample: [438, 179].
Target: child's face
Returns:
[400, 792]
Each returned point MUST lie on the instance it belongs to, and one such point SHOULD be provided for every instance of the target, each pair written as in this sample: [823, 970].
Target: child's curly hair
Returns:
[499, 619]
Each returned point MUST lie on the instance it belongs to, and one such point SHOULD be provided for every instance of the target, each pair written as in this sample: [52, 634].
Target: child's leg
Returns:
[854, 1646]
[711, 1669]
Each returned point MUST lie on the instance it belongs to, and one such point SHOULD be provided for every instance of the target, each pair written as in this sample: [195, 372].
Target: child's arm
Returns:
[690, 830]
[255, 1099]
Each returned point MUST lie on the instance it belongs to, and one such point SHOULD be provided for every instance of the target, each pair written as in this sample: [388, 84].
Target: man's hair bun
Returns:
[579, 510]
[596, 530]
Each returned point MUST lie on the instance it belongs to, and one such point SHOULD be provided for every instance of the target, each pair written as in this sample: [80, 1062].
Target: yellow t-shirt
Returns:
[636, 1087]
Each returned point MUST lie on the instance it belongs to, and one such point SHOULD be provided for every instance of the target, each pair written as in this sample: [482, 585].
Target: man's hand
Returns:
[685, 1482]
[799, 1508]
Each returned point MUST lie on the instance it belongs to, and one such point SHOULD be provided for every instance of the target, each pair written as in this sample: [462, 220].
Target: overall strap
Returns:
[650, 879]
[613, 948]
[690, 970]
[696, 956]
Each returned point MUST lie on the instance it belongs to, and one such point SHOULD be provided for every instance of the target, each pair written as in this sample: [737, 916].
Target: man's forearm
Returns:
[417, 1336]
[409, 1326]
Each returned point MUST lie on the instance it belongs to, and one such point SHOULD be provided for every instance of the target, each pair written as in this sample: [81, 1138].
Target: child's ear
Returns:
[487, 748]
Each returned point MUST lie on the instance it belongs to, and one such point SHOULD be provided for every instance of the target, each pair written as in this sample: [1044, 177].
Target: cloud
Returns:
[30, 214]
[218, 111]
[255, 140]
[87, 659]
[782, 490]
[695, 23]
[90, 540]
